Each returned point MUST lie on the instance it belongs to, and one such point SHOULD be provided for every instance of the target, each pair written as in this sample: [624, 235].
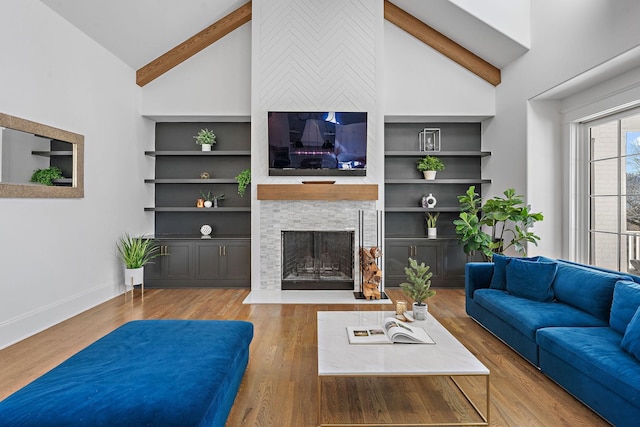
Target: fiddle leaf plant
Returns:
[418, 282]
[507, 219]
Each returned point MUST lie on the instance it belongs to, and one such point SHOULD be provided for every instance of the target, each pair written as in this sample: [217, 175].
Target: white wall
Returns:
[567, 38]
[57, 256]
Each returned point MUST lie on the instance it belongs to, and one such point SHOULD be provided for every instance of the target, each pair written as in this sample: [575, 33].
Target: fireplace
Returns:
[317, 260]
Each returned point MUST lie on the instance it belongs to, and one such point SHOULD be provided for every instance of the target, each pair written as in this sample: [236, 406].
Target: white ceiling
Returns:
[139, 31]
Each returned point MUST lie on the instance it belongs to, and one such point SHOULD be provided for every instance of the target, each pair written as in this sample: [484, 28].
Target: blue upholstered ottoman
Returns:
[145, 373]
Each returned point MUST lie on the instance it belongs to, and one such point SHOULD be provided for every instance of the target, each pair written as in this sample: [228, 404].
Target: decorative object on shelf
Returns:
[371, 274]
[135, 253]
[200, 203]
[417, 287]
[46, 176]
[216, 199]
[206, 230]
[208, 198]
[206, 138]
[429, 201]
[429, 165]
[243, 179]
[205, 175]
[431, 219]
[506, 217]
[429, 139]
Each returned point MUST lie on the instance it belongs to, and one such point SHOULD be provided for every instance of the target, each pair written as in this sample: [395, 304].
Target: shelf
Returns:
[437, 153]
[419, 238]
[191, 181]
[198, 153]
[53, 153]
[200, 210]
[405, 209]
[437, 181]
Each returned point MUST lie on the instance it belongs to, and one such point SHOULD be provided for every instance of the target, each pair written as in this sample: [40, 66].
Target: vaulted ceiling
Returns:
[139, 31]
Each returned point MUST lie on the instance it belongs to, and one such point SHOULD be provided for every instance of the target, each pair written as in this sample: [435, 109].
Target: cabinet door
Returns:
[455, 260]
[237, 254]
[209, 260]
[396, 258]
[430, 252]
[178, 260]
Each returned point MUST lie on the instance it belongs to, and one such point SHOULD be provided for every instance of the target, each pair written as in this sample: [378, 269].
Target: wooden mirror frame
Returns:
[39, 191]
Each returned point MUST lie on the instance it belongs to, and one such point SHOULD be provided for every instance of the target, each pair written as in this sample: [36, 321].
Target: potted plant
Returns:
[208, 198]
[506, 218]
[429, 165]
[206, 138]
[46, 176]
[243, 179]
[217, 198]
[417, 287]
[431, 219]
[135, 253]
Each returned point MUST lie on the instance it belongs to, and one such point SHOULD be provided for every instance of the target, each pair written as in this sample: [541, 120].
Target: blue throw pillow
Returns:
[530, 279]
[631, 340]
[626, 300]
[500, 262]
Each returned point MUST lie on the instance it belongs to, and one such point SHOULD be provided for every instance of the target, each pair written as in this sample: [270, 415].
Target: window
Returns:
[614, 192]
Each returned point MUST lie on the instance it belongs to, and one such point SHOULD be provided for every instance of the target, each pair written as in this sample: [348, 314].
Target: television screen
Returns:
[317, 143]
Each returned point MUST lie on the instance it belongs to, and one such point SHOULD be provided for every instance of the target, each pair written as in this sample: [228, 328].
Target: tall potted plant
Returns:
[417, 287]
[507, 220]
[429, 165]
[206, 138]
[432, 220]
[136, 251]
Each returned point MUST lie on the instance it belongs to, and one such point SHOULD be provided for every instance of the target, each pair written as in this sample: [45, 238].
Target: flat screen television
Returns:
[311, 143]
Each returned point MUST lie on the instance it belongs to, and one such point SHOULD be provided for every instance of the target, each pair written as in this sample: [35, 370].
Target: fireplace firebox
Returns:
[317, 260]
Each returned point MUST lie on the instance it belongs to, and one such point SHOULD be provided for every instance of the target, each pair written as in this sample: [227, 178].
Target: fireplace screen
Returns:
[317, 260]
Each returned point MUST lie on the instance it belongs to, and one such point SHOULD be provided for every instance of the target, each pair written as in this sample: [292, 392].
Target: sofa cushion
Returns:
[597, 354]
[532, 280]
[626, 300]
[631, 340]
[499, 278]
[527, 316]
[588, 289]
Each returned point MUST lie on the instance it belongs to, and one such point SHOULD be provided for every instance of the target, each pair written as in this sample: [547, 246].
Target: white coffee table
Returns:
[448, 357]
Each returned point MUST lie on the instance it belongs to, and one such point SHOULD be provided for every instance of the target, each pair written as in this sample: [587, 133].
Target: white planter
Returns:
[420, 311]
[430, 175]
[206, 147]
[432, 233]
[208, 203]
[133, 276]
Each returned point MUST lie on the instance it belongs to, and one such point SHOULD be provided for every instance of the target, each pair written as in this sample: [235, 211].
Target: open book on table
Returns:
[391, 331]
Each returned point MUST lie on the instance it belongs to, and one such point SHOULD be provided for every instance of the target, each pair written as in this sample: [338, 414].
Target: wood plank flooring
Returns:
[280, 386]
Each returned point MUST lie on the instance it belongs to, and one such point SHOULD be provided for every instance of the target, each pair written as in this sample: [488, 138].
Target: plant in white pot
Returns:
[136, 251]
[417, 287]
[429, 165]
[432, 220]
[206, 138]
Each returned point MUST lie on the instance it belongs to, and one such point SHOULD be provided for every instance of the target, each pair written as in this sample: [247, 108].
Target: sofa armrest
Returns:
[477, 275]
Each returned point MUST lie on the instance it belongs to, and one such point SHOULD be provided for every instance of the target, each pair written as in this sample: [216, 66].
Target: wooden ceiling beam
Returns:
[193, 45]
[441, 43]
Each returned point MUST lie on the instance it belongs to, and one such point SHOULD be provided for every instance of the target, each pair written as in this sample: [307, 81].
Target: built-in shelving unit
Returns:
[223, 259]
[405, 225]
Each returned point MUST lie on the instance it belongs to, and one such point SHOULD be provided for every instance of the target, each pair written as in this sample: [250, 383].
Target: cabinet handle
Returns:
[219, 250]
[415, 251]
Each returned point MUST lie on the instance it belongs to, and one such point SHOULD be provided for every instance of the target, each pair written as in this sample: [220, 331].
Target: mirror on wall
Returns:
[30, 151]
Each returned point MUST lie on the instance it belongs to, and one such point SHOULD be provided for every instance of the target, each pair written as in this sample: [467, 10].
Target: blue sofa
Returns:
[145, 373]
[580, 325]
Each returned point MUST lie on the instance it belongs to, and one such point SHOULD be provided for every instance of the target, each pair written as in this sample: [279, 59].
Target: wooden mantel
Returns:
[328, 192]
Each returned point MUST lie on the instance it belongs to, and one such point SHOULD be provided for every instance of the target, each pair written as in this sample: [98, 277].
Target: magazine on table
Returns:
[391, 331]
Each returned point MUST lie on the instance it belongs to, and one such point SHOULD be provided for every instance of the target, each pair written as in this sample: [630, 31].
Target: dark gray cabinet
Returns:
[405, 226]
[201, 263]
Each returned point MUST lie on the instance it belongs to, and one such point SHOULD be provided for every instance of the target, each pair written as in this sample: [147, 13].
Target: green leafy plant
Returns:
[418, 282]
[430, 163]
[136, 251]
[506, 218]
[431, 219]
[243, 179]
[46, 176]
[205, 136]
[207, 196]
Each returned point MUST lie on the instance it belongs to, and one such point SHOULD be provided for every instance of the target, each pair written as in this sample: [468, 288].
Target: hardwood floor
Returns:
[280, 386]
